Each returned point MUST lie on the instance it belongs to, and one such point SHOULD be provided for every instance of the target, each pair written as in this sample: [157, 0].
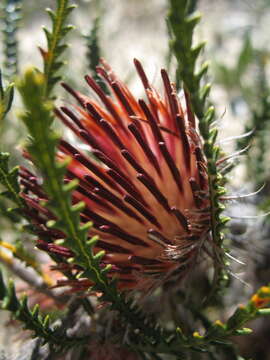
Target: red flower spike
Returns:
[145, 187]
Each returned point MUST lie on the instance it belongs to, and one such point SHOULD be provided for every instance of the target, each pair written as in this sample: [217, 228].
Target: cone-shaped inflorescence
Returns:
[143, 179]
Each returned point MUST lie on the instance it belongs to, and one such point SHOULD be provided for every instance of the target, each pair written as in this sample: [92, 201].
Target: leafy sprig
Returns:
[182, 25]
[33, 320]
[11, 16]
[218, 333]
[9, 179]
[93, 49]
[93, 53]
[52, 62]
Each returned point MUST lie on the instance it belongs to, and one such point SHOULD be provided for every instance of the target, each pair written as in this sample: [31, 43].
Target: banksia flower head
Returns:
[143, 179]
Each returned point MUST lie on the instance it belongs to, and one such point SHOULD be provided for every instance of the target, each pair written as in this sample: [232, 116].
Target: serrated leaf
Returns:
[182, 26]
[55, 45]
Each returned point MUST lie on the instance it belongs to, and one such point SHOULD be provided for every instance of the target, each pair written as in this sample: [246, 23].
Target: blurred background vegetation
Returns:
[238, 47]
